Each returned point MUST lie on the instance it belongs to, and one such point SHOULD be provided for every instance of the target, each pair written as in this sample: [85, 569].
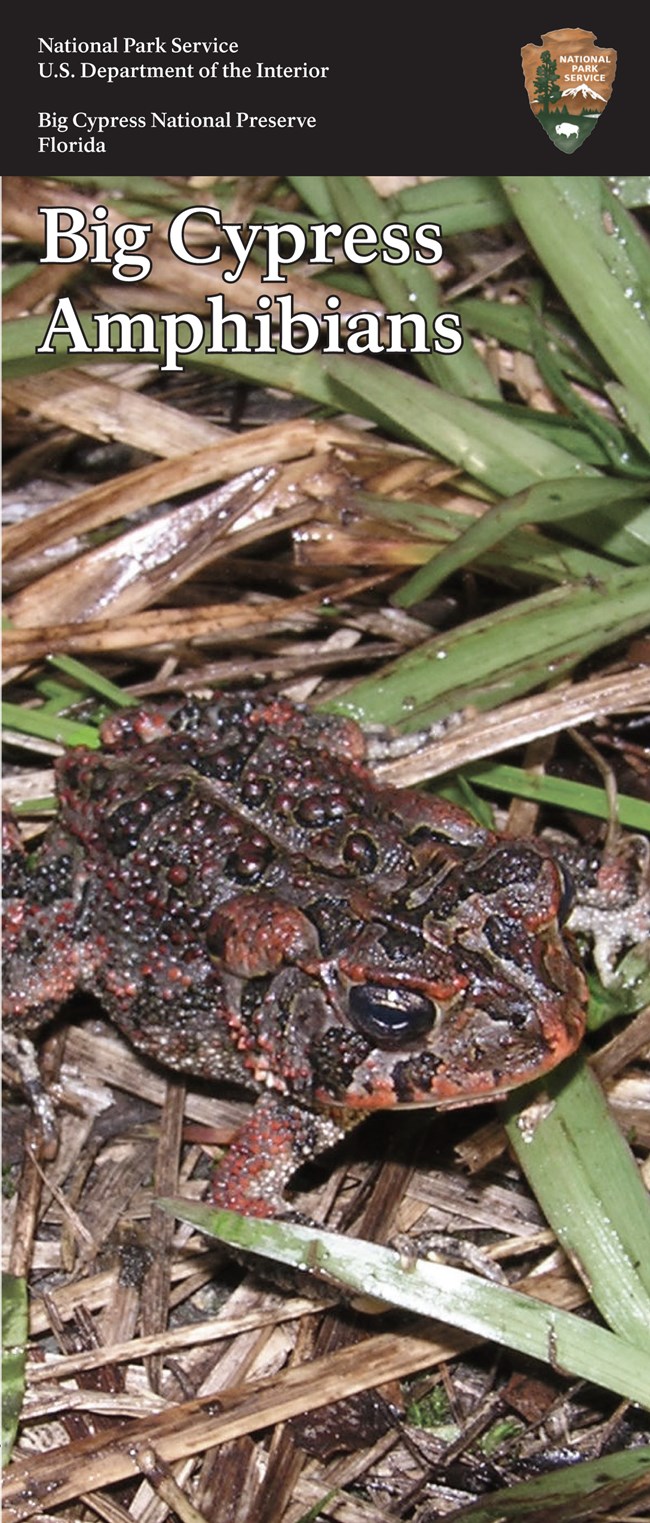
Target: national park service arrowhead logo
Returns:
[569, 80]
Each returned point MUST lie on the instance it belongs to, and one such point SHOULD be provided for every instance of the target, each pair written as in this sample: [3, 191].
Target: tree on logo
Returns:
[547, 89]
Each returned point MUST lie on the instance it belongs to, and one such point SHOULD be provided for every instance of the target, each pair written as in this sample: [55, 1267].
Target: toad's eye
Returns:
[390, 1017]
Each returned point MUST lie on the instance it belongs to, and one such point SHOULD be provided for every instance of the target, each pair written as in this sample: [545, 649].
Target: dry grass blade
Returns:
[106, 410]
[23, 196]
[195, 1426]
[135, 570]
[520, 722]
[153, 483]
[171, 1340]
[212, 625]
[191, 1427]
[156, 1287]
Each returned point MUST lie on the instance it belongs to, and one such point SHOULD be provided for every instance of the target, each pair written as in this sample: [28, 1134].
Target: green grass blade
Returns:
[613, 441]
[634, 190]
[314, 191]
[65, 732]
[513, 326]
[410, 288]
[548, 502]
[509, 323]
[561, 791]
[632, 410]
[14, 274]
[302, 374]
[489, 660]
[597, 257]
[93, 681]
[57, 698]
[460, 203]
[499, 453]
[533, 554]
[590, 1489]
[590, 1190]
[451, 1295]
[564, 431]
[14, 1339]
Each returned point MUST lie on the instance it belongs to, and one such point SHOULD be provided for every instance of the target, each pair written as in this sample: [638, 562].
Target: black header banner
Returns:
[99, 91]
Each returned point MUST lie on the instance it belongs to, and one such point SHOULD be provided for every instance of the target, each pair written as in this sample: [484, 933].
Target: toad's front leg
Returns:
[267, 1151]
[41, 953]
[41, 947]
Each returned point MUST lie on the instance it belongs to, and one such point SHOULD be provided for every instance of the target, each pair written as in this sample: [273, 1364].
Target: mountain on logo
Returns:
[584, 91]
